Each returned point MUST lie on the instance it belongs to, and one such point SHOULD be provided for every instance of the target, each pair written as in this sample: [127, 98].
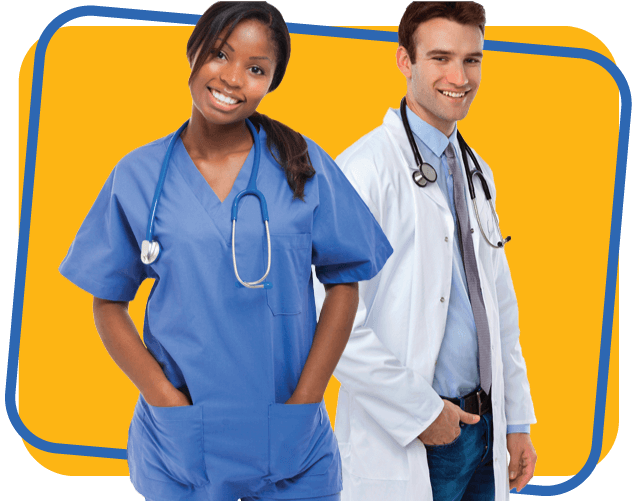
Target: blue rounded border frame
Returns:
[307, 29]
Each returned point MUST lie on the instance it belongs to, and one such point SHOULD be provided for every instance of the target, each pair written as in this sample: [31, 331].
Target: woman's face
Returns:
[235, 78]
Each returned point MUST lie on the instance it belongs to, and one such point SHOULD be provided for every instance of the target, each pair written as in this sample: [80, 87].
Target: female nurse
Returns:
[231, 378]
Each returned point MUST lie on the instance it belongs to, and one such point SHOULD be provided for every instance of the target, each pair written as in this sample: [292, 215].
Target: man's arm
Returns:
[400, 400]
[517, 396]
[523, 459]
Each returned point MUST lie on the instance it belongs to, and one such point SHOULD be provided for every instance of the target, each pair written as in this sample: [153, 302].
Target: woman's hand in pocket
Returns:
[298, 399]
[169, 396]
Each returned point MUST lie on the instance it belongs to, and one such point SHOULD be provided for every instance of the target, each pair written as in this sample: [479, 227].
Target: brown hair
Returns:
[471, 13]
[287, 146]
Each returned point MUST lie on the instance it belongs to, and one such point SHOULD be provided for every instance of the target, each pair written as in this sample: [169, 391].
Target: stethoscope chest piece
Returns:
[425, 174]
[150, 251]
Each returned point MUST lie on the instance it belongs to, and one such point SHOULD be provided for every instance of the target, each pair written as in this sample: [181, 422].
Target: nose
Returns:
[457, 75]
[232, 75]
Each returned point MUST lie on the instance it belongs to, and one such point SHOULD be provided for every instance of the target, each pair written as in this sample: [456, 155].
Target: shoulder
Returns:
[146, 154]
[143, 163]
[377, 158]
[372, 164]
[370, 152]
[319, 157]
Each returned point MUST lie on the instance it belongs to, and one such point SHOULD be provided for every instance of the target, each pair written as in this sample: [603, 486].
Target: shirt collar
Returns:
[435, 140]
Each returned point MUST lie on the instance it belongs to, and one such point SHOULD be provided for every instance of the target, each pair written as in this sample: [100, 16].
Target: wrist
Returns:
[164, 395]
[300, 397]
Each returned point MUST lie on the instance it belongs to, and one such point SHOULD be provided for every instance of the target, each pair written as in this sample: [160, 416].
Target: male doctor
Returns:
[433, 383]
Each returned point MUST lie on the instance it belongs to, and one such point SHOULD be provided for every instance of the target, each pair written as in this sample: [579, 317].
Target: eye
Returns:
[473, 61]
[256, 70]
[219, 54]
[440, 58]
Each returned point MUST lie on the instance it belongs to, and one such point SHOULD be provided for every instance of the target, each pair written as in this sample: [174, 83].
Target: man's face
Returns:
[444, 78]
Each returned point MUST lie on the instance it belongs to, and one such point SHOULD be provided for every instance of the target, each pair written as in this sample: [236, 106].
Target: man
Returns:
[437, 330]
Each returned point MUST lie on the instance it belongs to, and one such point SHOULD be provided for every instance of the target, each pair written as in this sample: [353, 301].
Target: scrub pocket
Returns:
[301, 441]
[289, 271]
[171, 445]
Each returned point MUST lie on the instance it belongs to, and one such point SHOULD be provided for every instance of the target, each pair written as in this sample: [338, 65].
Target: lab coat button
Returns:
[471, 230]
[442, 299]
[446, 239]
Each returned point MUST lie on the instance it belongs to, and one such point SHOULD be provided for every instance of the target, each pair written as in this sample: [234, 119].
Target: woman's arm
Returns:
[122, 341]
[332, 332]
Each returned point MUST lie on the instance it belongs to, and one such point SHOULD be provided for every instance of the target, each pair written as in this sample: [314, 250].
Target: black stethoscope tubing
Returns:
[425, 174]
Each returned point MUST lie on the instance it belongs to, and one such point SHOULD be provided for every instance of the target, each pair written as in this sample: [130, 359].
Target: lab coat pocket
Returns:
[301, 441]
[172, 448]
[289, 271]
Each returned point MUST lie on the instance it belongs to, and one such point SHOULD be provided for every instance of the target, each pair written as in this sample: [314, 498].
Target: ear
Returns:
[403, 62]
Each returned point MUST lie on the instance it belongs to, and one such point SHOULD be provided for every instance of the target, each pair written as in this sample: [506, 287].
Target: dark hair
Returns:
[471, 13]
[287, 146]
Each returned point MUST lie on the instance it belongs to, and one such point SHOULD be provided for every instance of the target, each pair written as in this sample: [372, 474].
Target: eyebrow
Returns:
[252, 57]
[440, 52]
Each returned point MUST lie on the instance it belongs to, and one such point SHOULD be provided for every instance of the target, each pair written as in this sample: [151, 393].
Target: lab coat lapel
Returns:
[397, 131]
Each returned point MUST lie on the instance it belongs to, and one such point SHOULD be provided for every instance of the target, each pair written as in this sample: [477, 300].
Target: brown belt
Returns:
[477, 402]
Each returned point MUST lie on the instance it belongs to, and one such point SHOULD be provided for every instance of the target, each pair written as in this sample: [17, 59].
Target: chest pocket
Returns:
[289, 272]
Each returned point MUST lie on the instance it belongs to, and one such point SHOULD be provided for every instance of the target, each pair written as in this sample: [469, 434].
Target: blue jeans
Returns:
[463, 469]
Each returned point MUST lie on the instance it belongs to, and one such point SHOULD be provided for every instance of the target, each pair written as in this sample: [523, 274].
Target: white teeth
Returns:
[224, 99]
[453, 94]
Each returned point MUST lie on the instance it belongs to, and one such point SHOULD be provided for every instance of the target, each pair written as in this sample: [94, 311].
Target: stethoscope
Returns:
[151, 247]
[427, 174]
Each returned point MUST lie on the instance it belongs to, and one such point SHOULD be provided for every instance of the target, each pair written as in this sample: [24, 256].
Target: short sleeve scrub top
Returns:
[237, 352]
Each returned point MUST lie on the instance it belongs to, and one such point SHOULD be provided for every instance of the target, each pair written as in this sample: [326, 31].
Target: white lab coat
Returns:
[386, 399]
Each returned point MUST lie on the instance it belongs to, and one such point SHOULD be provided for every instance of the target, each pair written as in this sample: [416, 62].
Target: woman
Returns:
[234, 366]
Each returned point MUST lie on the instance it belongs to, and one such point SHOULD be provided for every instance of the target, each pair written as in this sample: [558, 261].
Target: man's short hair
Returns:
[471, 13]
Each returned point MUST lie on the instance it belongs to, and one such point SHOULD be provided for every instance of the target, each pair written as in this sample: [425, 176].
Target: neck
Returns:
[213, 140]
[442, 125]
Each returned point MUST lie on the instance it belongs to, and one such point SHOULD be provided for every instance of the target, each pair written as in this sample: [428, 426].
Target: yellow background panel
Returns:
[552, 148]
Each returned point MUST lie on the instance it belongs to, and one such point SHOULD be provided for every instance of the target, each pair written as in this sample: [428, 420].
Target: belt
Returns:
[477, 402]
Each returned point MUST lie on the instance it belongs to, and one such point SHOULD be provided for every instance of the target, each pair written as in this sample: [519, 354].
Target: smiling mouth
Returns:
[222, 98]
[453, 94]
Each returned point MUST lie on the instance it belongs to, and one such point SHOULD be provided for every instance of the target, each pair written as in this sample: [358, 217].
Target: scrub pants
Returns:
[463, 469]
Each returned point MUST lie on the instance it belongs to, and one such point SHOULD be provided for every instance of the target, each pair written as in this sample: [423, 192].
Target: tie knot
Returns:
[449, 151]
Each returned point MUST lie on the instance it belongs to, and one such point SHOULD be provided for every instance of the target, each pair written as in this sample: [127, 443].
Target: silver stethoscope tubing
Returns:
[427, 174]
[151, 247]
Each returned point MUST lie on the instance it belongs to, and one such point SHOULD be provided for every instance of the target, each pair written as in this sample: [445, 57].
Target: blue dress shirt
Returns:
[455, 375]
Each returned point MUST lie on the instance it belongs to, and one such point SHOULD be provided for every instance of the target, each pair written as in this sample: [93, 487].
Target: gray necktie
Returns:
[471, 271]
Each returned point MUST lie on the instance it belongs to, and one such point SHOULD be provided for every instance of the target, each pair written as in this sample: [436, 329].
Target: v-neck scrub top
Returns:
[237, 352]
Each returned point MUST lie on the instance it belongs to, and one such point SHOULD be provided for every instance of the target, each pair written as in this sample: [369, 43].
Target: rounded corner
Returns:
[604, 52]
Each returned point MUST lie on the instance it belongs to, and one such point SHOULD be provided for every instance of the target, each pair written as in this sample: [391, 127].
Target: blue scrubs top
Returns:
[238, 352]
